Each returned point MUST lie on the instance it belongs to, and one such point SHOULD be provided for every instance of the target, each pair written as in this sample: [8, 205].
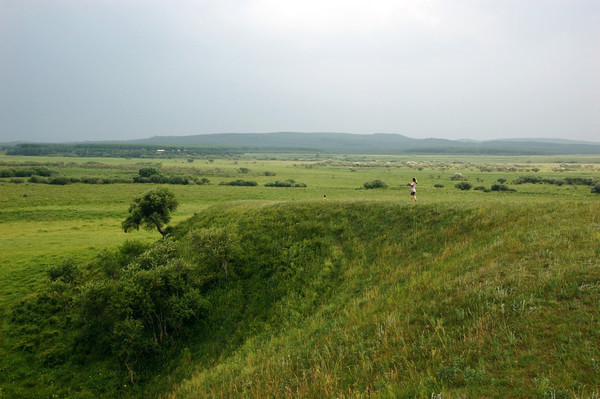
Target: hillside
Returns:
[332, 299]
[289, 142]
[378, 143]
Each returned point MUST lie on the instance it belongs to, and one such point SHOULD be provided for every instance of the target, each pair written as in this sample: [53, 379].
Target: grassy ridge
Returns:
[400, 301]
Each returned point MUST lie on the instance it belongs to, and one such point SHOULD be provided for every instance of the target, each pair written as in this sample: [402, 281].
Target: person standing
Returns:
[413, 189]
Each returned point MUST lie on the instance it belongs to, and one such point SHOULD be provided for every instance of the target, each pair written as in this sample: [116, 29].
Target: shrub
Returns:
[202, 181]
[17, 180]
[91, 180]
[147, 172]
[596, 189]
[239, 182]
[179, 180]
[501, 180]
[458, 176]
[527, 179]
[38, 179]
[7, 173]
[375, 184]
[463, 185]
[482, 188]
[267, 173]
[438, 185]
[59, 181]
[501, 187]
[286, 183]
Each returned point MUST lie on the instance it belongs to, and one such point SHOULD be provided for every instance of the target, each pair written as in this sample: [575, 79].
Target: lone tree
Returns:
[151, 211]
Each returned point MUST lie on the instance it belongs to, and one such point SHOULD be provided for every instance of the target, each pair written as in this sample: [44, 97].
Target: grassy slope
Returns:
[360, 298]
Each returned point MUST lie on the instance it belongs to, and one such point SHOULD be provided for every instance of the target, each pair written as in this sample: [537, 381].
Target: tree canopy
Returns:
[151, 211]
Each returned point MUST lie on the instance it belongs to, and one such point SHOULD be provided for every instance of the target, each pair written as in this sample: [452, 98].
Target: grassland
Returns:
[463, 294]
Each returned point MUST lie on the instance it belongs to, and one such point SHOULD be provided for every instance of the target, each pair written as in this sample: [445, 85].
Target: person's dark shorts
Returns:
[412, 193]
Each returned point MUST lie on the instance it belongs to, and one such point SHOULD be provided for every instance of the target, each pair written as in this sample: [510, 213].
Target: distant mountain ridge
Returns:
[298, 142]
[376, 143]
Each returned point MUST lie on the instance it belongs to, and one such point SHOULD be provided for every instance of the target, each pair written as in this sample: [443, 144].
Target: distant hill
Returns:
[294, 142]
[377, 143]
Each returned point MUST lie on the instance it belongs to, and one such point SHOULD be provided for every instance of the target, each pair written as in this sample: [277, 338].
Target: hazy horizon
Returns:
[99, 70]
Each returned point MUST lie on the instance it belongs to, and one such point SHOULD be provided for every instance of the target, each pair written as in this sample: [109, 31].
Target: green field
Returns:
[465, 293]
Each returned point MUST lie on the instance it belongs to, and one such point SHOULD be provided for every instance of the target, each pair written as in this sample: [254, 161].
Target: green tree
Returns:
[147, 172]
[151, 211]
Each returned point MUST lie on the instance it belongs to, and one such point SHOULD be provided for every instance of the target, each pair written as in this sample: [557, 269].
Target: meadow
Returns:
[500, 300]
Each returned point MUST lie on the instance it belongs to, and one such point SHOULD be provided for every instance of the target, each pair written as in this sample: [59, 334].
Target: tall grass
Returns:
[422, 301]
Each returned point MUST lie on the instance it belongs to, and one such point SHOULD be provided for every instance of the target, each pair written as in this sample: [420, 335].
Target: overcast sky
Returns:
[73, 70]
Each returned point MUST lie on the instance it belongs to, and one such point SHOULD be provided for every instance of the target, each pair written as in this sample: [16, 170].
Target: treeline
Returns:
[113, 150]
[574, 181]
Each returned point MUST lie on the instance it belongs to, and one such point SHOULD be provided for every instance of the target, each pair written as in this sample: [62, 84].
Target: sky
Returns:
[78, 70]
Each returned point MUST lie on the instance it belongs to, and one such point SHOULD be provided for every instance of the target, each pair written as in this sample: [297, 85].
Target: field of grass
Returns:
[463, 294]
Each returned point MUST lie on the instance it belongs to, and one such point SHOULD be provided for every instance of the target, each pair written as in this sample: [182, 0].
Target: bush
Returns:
[463, 185]
[147, 172]
[91, 180]
[267, 173]
[527, 179]
[501, 187]
[17, 180]
[59, 181]
[179, 180]
[38, 179]
[458, 176]
[286, 183]
[239, 182]
[202, 181]
[438, 185]
[482, 188]
[375, 184]
[7, 173]
[596, 189]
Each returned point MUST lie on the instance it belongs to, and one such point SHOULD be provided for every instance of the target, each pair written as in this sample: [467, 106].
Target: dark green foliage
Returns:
[151, 211]
[438, 185]
[60, 180]
[285, 183]
[501, 187]
[596, 189]
[501, 180]
[120, 150]
[239, 182]
[584, 181]
[202, 181]
[148, 172]
[126, 315]
[463, 185]
[216, 249]
[205, 144]
[26, 172]
[38, 179]
[374, 184]
[481, 188]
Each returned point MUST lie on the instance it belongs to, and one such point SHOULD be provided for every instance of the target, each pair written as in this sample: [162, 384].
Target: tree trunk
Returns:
[129, 370]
